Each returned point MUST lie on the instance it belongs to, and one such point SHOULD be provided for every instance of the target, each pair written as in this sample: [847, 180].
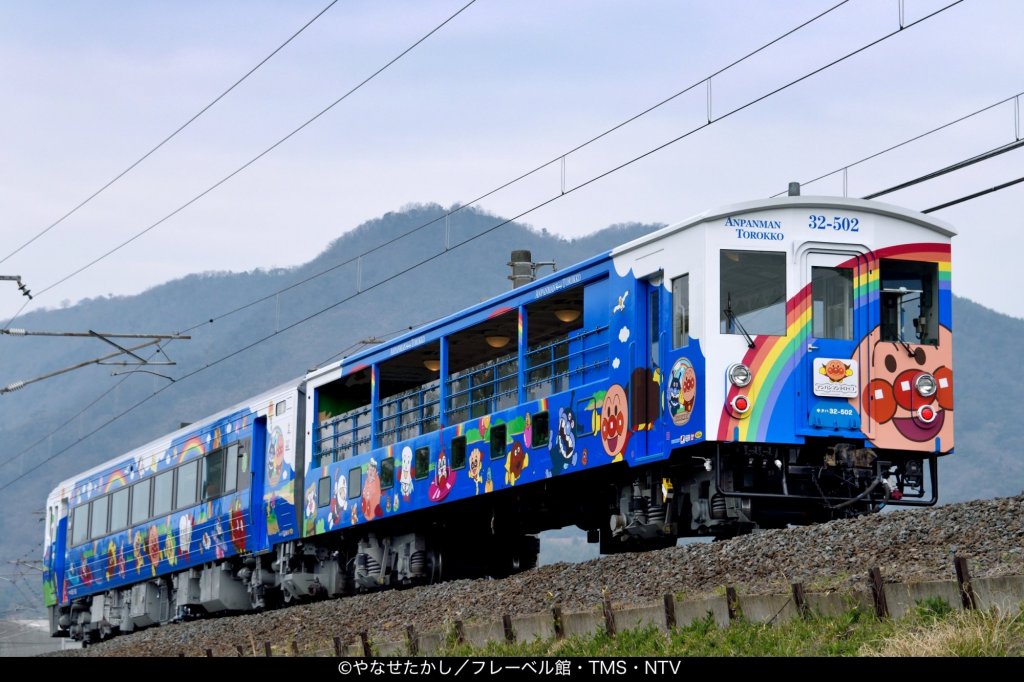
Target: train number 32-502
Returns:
[839, 223]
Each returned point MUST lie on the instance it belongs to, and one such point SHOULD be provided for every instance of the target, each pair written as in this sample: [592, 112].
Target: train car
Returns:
[167, 531]
[779, 361]
[774, 362]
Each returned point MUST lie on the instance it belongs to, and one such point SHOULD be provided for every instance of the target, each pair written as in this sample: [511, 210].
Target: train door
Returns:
[647, 377]
[828, 372]
[258, 467]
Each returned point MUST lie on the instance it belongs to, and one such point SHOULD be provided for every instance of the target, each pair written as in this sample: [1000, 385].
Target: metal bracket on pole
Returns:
[137, 360]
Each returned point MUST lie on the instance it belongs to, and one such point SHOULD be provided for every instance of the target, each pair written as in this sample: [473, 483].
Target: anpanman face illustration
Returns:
[836, 370]
[893, 401]
[614, 421]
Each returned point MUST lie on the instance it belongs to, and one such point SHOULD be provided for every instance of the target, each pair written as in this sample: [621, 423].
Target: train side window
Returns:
[323, 493]
[421, 465]
[188, 483]
[387, 473]
[98, 518]
[213, 475]
[753, 292]
[140, 501]
[243, 466]
[231, 467]
[540, 430]
[355, 482]
[832, 307]
[119, 510]
[458, 452]
[80, 524]
[498, 441]
[681, 311]
[163, 489]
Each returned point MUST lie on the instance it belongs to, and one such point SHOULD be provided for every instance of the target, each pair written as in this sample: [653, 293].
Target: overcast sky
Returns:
[88, 87]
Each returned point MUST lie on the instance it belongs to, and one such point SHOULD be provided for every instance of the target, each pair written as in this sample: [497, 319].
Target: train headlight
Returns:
[925, 384]
[739, 375]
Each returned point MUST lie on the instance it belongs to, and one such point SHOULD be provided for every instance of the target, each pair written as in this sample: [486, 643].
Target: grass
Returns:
[934, 628]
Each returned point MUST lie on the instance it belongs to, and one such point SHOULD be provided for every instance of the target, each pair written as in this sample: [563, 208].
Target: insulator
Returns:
[14, 387]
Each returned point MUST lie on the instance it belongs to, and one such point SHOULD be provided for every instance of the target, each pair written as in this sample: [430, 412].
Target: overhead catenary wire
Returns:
[256, 158]
[489, 193]
[1012, 98]
[449, 213]
[555, 197]
[167, 139]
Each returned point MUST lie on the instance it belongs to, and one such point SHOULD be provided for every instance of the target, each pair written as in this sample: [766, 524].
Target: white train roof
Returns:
[880, 208]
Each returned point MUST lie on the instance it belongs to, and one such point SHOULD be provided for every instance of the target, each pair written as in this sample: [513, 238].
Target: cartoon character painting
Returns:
[371, 492]
[489, 483]
[139, 551]
[615, 422]
[275, 457]
[185, 534]
[682, 391]
[562, 443]
[444, 479]
[153, 548]
[836, 370]
[339, 501]
[893, 410]
[405, 476]
[476, 465]
[516, 462]
[528, 431]
[310, 516]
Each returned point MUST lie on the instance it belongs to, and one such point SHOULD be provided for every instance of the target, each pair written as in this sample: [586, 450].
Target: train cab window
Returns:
[80, 524]
[499, 435]
[140, 501]
[119, 510]
[163, 489]
[387, 473]
[98, 517]
[458, 452]
[681, 311]
[323, 492]
[355, 482]
[213, 475]
[832, 311]
[909, 300]
[421, 463]
[753, 292]
[188, 482]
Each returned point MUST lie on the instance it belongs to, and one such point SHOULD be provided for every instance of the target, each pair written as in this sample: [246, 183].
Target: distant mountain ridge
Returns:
[987, 350]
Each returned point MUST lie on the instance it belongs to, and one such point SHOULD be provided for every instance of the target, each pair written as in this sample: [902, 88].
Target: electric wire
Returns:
[171, 136]
[485, 232]
[256, 158]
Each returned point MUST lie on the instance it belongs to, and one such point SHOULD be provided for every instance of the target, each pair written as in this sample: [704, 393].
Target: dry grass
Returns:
[964, 633]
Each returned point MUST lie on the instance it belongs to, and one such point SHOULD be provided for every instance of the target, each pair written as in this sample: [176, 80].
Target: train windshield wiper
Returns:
[733, 320]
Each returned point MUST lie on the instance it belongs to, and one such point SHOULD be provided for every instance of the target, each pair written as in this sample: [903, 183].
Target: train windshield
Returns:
[753, 292]
[909, 302]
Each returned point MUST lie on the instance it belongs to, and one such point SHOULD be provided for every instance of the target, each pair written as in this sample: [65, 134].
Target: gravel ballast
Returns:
[907, 545]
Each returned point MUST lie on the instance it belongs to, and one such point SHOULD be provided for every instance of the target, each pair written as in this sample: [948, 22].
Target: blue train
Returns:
[773, 362]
